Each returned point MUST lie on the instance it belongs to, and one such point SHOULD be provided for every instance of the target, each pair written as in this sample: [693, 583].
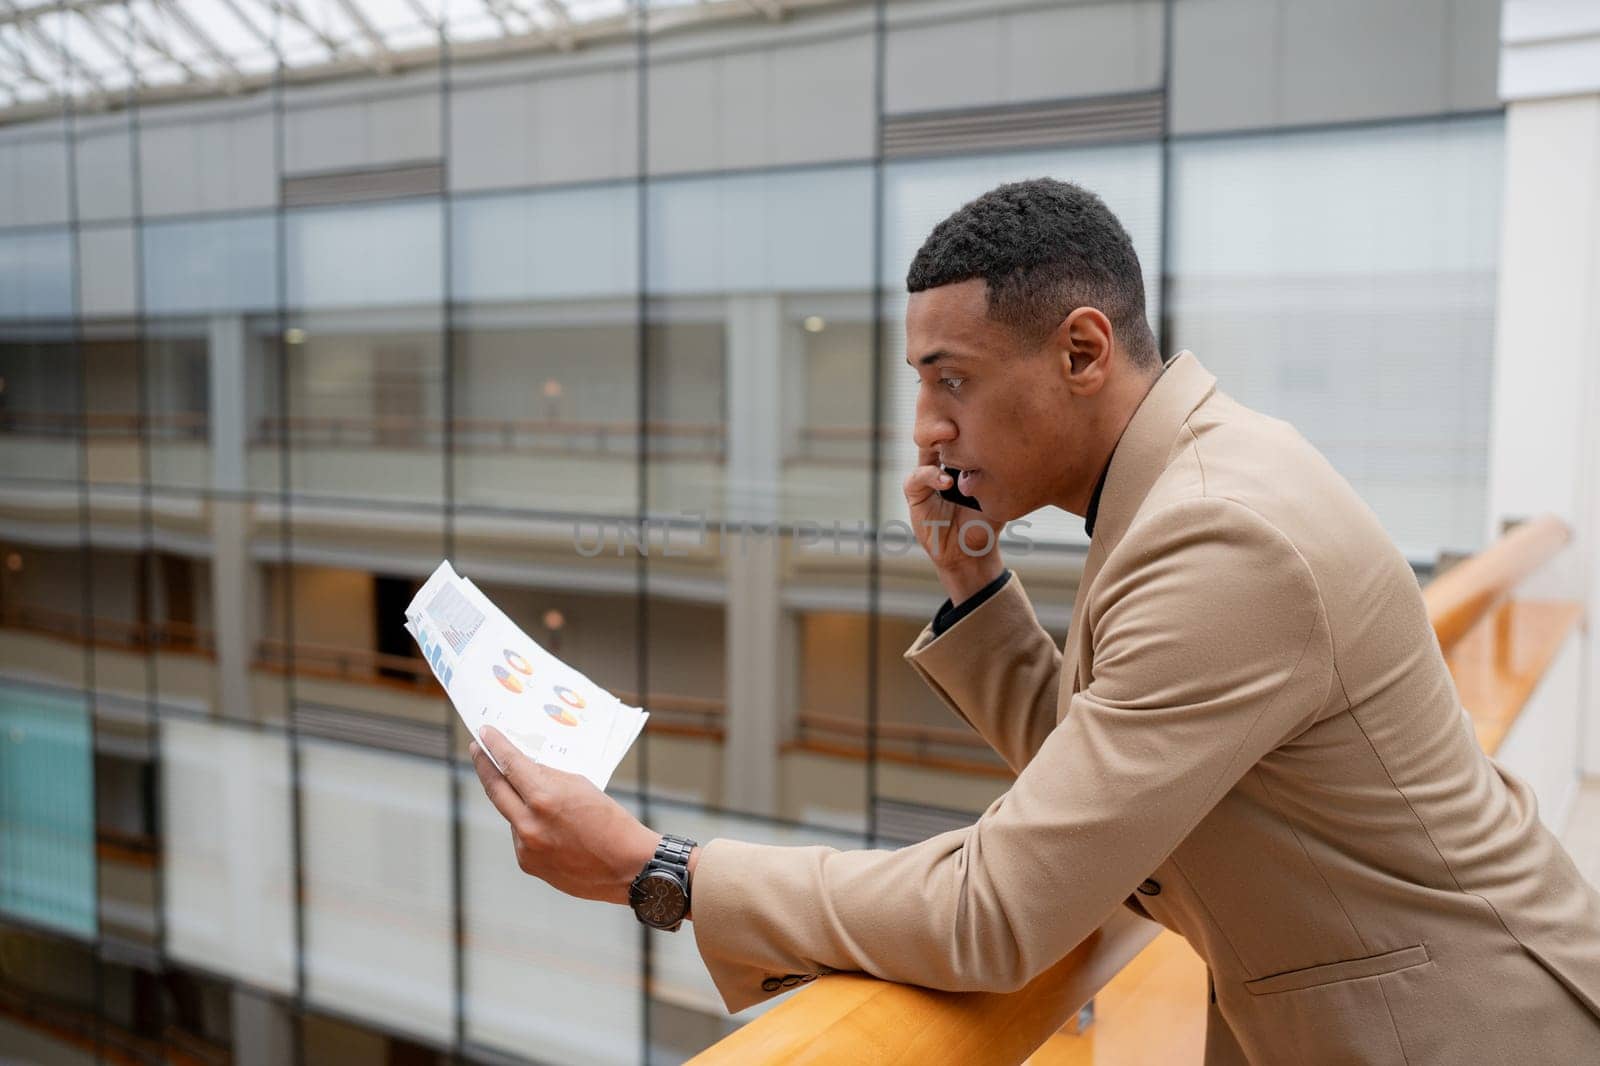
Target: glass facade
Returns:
[618, 331]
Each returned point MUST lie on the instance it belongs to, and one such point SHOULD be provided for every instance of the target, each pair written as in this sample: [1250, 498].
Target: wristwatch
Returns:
[659, 896]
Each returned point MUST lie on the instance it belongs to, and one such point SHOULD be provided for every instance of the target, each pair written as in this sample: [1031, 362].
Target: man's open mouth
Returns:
[963, 476]
[961, 491]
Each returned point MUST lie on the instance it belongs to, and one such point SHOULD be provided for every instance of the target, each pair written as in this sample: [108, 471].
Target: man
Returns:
[1251, 736]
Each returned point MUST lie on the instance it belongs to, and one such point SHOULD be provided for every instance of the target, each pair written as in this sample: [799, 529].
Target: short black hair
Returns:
[1045, 248]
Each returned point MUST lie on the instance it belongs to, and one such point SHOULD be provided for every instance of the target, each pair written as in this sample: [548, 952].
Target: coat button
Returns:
[770, 984]
[1150, 887]
[790, 980]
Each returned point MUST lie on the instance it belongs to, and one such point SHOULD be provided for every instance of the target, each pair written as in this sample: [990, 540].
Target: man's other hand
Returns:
[566, 832]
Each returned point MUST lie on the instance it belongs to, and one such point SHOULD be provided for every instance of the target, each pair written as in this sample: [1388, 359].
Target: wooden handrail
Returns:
[851, 1018]
[849, 434]
[569, 435]
[1468, 591]
[103, 632]
[338, 663]
[856, 1018]
[117, 425]
[911, 731]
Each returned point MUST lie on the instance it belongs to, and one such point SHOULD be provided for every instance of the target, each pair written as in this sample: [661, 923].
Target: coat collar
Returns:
[1146, 444]
[1140, 456]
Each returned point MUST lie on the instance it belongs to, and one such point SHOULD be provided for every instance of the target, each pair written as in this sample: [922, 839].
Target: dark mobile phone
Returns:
[954, 494]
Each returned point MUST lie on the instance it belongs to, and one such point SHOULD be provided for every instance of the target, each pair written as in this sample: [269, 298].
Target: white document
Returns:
[495, 674]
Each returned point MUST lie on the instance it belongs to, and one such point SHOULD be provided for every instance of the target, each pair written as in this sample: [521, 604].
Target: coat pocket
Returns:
[1347, 970]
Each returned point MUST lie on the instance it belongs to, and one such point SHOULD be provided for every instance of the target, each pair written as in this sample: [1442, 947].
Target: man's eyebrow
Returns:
[929, 359]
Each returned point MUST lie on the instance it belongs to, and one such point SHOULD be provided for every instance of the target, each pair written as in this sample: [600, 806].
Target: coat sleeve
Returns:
[1210, 648]
[998, 670]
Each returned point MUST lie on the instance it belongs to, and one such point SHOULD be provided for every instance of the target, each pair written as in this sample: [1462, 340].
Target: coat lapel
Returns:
[1140, 456]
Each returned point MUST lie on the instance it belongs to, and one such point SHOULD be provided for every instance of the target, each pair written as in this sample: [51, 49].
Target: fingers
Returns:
[517, 767]
[924, 481]
[505, 798]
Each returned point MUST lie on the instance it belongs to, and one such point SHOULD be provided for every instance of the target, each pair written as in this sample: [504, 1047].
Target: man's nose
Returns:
[931, 428]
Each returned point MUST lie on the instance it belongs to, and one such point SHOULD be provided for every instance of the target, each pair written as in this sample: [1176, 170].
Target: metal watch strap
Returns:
[672, 853]
[675, 850]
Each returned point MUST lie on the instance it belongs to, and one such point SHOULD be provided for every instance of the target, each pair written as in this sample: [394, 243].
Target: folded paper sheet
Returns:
[495, 674]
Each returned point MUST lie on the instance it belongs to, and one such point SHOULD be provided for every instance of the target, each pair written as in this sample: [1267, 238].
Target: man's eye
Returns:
[953, 384]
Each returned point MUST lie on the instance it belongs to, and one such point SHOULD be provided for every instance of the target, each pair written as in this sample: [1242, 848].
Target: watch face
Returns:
[660, 899]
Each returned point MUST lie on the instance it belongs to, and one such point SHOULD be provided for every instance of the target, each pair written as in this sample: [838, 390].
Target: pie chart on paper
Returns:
[518, 663]
[569, 697]
[507, 679]
[560, 714]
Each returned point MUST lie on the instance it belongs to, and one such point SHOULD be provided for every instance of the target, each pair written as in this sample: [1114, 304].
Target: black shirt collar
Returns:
[1094, 501]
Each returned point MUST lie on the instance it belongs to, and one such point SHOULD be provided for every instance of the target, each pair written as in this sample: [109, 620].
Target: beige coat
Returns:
[1253, 739]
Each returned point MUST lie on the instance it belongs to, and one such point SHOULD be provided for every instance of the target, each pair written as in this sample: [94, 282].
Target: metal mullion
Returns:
[1164, 267]
[85, 549]
[641, 563]
[152, 685]
[457, 800]
[286, 547]
[875, 493]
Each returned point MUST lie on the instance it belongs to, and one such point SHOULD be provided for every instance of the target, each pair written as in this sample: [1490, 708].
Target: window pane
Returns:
[385, 255]
[546, 410]
[558, 244]
[548, 977]
[46, 809]
[114, 406]
[41, 406]
[364, 414]
[54, 979]
[43, 592]
[1344, 280]
[177, 372]
[227, 857]
[378, 921]
[36, 274]
[784, 231]
[226, 264]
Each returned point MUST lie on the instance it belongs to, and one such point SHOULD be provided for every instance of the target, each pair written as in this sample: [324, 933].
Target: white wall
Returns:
[1545, 444]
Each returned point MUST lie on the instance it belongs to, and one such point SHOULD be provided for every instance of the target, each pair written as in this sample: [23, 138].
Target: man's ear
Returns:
[1084, 341]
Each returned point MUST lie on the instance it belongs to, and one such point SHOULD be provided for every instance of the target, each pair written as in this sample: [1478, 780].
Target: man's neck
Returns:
[1122, 411]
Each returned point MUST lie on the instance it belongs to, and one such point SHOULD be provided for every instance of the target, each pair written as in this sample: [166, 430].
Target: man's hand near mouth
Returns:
[963, 545]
